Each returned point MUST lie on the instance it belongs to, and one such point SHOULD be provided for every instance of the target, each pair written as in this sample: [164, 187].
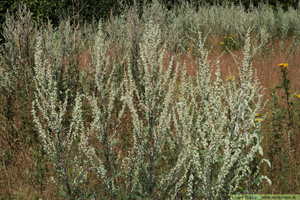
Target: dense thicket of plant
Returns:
[213, 149]
[96, 9]
[114, 113]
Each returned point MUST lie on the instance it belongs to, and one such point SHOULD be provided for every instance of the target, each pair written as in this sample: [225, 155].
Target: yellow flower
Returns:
[230, 37]
[222, 43]
[257, 115]
[225, 36]
[201, 147]
[298, 95]
[258, 120]
[229, 78]
[284, 65]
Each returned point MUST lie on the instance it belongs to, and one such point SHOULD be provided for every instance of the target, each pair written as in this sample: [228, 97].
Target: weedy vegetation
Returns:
[160, 104]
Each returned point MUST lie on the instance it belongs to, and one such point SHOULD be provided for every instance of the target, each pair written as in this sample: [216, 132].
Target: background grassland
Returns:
[25, 166]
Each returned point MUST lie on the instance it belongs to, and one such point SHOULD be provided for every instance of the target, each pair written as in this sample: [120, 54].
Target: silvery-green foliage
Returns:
[59, 136]
[103, 160]
[216, 121]
[294, 48]
[62, 46]
[265, 19]
[175, 35]
[262, 37]
[16, 75]
[67, 44]
[125, 31]
[135, 30]
[85, 43]
[150, 110]
[156, 13]
[116, 29]
[123, 36]
[179, 26]
[17, 52]
[87, 34]
[5, 81]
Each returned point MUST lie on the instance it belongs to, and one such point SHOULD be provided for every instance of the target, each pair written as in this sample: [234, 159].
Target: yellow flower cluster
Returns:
[229, 42]
[229, 78]
[258, 120]
[230, 36]
[284, 65]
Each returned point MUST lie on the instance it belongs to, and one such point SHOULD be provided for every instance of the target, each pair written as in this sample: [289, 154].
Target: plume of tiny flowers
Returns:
[59, 140]
[210, 119]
